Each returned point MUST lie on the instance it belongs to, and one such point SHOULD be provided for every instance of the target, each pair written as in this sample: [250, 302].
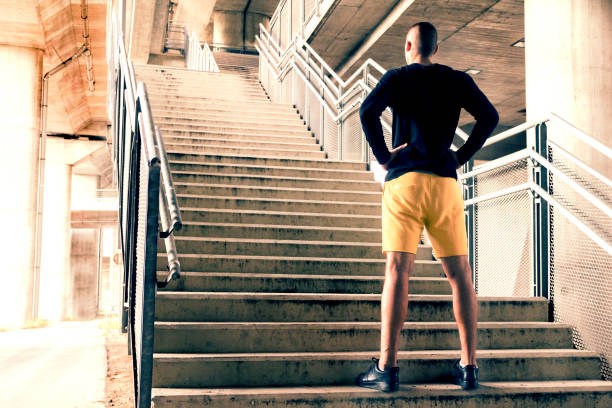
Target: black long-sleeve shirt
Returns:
[426, 101]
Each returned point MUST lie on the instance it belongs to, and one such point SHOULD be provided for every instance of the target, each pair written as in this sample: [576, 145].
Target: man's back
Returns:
[426, 101]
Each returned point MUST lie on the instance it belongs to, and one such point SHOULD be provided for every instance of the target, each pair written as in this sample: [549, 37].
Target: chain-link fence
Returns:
[503, 259]
[581, 271]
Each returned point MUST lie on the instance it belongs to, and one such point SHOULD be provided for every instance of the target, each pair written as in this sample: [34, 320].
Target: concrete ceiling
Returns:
[475, 34]
[255, 6]
[55, 26]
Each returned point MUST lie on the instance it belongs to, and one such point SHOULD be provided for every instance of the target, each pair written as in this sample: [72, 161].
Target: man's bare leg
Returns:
[465, 305]
[394, 305]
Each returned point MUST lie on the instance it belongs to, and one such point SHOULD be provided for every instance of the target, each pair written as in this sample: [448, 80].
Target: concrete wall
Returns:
[569, 69]
[227, 30]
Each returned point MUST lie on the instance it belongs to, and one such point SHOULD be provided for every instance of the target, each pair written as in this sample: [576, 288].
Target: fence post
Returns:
[469, 186]
[540, 217]
[364, 143]
[340, 108]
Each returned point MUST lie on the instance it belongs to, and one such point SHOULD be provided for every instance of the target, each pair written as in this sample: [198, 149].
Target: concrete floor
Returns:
[63, 365]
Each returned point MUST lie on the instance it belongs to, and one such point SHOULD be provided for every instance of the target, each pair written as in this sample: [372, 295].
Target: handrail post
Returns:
[469, 187]
[541, 238]
[340, 108]
[364, 143]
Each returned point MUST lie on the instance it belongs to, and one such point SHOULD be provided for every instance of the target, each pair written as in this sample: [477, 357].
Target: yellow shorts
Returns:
[416, 200]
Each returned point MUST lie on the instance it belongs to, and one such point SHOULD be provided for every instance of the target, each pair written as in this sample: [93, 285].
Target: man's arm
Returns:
[477, 104]
[371, 109]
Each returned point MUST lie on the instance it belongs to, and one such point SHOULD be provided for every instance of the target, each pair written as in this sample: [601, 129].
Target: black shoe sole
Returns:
[380, 386]
[467, 385]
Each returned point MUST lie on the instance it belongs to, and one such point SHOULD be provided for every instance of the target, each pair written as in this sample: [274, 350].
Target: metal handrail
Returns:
[198, 56]
[137, 97]
[281, 61]
[595, 144]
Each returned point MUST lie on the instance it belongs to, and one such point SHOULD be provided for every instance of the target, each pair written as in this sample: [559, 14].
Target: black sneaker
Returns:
[387, 380]
[466, 377]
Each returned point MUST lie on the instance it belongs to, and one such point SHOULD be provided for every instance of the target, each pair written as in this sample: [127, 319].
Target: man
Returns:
[421, 191]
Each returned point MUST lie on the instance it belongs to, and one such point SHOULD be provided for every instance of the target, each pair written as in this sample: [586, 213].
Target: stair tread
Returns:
[253, 166]
[275, 241]
[280, 226]
[334, 297]
[268, 212]
[367, 355]
[350, 325]
[310, 160]
[283, 200]
[265, 177]
[406, 390]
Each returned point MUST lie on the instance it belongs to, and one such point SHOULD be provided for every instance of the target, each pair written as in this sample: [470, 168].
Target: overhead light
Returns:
[520, 43]
[472, 71]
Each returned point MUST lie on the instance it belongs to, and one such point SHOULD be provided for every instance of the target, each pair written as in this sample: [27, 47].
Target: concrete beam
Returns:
[382, 27]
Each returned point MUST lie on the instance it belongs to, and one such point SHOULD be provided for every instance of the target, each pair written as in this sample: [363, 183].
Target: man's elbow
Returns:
[363, 112]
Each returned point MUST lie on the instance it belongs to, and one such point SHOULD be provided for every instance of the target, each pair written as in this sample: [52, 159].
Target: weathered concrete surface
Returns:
[568, 71]
[524, 394]
[61, 366]
[84, 253]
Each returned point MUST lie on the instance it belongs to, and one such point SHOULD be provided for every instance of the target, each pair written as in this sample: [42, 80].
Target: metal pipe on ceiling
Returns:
[88, 59]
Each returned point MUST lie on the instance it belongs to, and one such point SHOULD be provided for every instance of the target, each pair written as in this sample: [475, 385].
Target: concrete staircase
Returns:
[278, 304]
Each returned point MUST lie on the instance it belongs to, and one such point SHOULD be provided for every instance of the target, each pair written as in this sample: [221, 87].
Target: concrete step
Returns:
[330, 307]
[222, 107]
[179, 136]
[253, 160]
[361, 189]
[270, 247]
[333, 368]
[222, 150]
[188, 337]
[277, 204]
[212, 93]
[289, 265]
[243, 128]
[284, 232]
[222, 215]
[228, 121]
[225, 98]
[186, 75]
[242, 142]
[255, 170]
[229, 127]
[192, 89]
[289, 118]
[287, 283]
[202, 86]
[284, 115]
[269, 190]
[517, 394]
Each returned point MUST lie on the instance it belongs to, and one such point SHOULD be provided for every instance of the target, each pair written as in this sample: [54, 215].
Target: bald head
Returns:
[422, 39]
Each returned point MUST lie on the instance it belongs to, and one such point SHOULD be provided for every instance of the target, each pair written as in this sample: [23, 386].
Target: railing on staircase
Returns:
[198, 56]
[539, 220]
[146, 199]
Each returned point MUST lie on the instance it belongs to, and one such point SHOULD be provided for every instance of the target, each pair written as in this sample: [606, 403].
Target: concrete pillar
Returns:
[228, 26]
[568, 60]
[20, 82]
[55, 280]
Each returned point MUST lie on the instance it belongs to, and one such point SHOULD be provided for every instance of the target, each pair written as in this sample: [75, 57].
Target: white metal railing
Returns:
[329, 104]
[198, 56]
